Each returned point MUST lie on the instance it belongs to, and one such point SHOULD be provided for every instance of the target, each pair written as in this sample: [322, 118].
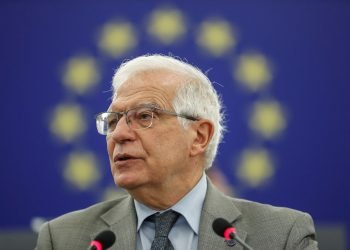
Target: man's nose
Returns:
[122, 132]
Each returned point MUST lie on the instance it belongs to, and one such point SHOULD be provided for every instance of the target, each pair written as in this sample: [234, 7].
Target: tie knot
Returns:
[164, 222]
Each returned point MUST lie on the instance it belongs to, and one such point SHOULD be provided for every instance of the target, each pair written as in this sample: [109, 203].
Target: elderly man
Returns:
[162, 130]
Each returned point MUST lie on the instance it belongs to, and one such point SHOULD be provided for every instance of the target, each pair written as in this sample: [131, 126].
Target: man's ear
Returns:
[204, 130]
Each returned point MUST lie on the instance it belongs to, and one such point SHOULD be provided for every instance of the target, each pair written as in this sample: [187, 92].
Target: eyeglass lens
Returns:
[137, 118]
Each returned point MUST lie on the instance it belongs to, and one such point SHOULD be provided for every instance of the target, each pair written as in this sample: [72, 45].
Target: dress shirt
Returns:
[184, 234]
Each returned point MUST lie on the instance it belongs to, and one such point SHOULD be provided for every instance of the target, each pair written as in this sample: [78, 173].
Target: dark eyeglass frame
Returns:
[153, 109]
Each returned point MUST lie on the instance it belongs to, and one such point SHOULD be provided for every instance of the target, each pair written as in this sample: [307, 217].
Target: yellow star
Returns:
[216, 37]
[255, 167]
[166, 25]
[81, 170]
[267, 119]
[81, 74]
[67, 122]
[117, 38]
[253, 71]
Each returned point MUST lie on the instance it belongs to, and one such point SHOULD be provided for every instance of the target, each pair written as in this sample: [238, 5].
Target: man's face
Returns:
[156, 157]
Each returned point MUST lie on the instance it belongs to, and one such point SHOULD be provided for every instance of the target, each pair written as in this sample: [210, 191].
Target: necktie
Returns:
[163, 222]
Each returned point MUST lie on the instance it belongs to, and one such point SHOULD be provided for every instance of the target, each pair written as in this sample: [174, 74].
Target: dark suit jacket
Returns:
[261, 226]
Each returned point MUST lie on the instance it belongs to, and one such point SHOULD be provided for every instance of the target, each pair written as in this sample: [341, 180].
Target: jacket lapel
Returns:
[121, 219]
[217, 205]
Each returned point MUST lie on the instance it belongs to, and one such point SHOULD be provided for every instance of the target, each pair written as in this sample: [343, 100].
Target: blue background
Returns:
[308, 44]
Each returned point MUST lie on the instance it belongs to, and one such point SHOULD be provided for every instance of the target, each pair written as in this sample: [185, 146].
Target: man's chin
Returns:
[127, 183]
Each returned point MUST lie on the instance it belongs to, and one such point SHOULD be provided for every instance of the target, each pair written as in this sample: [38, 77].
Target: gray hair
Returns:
[195, 97]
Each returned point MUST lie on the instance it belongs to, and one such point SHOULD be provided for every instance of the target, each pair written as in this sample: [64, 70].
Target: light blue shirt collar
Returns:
[190, 206]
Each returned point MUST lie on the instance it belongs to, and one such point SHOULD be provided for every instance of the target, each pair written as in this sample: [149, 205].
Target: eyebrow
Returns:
[144, 104]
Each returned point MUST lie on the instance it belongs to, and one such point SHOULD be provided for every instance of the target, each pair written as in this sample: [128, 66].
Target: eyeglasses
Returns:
[136, 118]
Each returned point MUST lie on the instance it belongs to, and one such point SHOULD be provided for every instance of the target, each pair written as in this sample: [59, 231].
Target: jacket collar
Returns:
[121, 219]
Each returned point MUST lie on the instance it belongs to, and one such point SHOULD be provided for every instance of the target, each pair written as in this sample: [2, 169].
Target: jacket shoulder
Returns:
[260, 211]
[277, 226]
[87, 215]
[75, 230]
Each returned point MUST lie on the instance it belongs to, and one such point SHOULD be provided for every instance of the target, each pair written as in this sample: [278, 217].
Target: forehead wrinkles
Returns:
[132, 96]
[158, 86]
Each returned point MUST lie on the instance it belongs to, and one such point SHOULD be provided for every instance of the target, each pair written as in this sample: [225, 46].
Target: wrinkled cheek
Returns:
[110, 149]
[113, 168]
[116, 175]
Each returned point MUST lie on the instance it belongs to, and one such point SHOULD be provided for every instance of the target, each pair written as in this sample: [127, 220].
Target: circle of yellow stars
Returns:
[267, 119]
[81, 74]
[67, 122]
[81, 170]
[216, 37]
[255, 167]
[117, 38]
[253, 71]
[168, 25]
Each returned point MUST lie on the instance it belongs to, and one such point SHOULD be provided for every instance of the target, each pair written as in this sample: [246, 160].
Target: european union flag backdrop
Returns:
[282, 70]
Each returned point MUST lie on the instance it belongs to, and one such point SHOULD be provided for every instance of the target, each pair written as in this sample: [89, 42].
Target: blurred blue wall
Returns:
[288, 136]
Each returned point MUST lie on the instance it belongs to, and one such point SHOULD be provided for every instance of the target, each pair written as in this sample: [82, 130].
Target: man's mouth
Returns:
[123, 157]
